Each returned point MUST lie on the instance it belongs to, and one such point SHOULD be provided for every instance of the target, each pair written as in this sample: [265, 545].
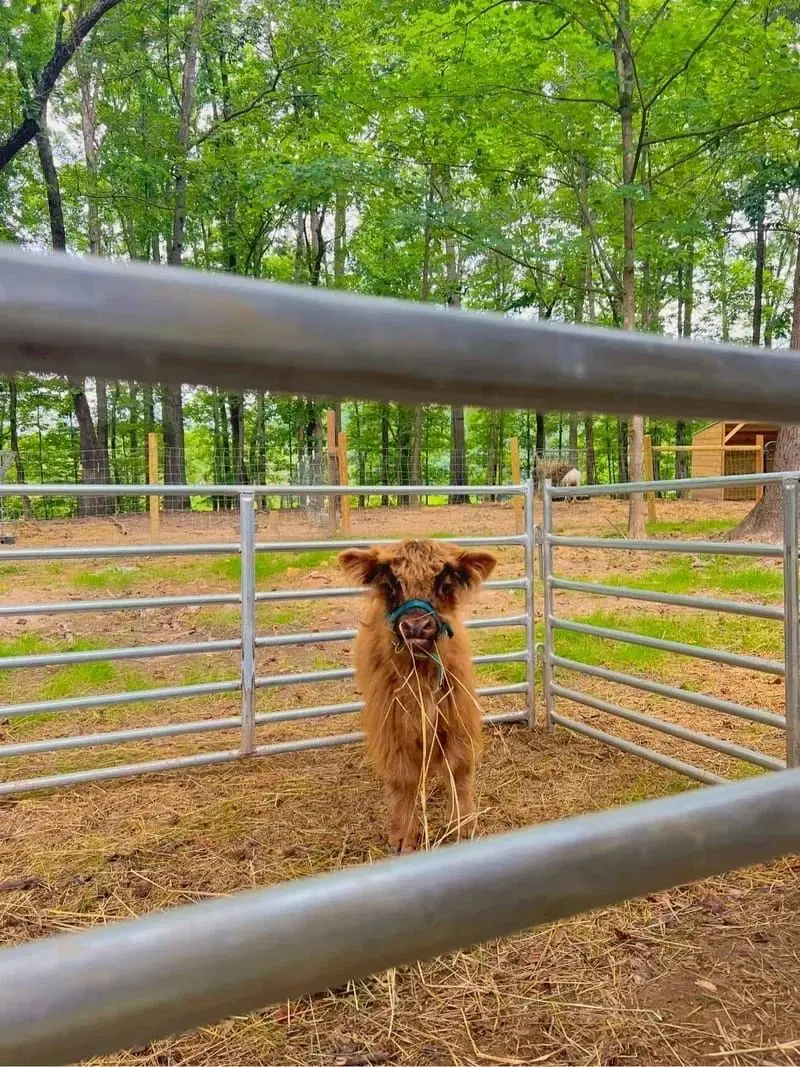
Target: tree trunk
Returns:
[591, 461]
[385, 452]
[13, 428]
[458, 435]
[171, 396]
[685, 328]
[102, 427]
[623, 446]
[236, 405]
[340, 239]
[174, 451]
[91, 467]
[47, 77]
[758, 284]
[424, 296]
[55, 210]
[765, 521]
[626, 86]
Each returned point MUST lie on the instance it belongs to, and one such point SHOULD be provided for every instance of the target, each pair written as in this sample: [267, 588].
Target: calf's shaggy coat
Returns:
[413, 669]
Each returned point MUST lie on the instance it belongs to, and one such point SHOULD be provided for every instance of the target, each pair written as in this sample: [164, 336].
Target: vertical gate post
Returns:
[530, 598]
[791, 622]
[247, 551]
[547, 574]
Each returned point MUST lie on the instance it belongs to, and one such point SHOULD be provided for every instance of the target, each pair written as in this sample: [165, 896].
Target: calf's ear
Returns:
[474, 567]
[360, 564]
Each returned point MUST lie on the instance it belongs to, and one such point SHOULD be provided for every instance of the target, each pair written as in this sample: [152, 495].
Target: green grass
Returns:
[115, 579]
[720, 575]
[688, 528]
[272, 564]
[749, 636]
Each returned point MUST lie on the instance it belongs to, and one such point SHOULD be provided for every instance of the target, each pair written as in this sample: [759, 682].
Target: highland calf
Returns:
[413, 668]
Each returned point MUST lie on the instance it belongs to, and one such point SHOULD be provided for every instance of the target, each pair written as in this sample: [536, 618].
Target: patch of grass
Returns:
[116, 579]
[272, 564]
[28, 644]
[688, 528]
[77, 679]
[731, 577]
[652, 784]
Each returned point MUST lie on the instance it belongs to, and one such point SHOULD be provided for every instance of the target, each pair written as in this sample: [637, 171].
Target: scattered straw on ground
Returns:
[700, 974]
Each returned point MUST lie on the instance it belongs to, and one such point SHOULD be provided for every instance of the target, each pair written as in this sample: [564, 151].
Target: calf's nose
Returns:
[419, 627]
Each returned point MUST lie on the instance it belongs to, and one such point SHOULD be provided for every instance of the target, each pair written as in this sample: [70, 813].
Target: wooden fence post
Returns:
[152, 477]
[344, 479]
[649, 476]
[516, 478]
[333, 471]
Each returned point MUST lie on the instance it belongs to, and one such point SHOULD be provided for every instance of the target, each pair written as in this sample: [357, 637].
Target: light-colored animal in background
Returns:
[571, 480]
[413, 669]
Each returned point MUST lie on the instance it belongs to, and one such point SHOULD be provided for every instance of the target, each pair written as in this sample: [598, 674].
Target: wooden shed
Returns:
[732, 448]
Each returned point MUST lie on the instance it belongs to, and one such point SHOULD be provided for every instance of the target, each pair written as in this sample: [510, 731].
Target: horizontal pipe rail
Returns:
[182, 692]
[131, 770]
[231, 548]
[65, 607]
[729, 659]
[732, 607]
[104, 655]
[79, 995]
[688, 770]
[161, 489]
[718, 481]
[697, 548]
[62, 315]
[204, 759]
[702, 700]
[695, 737]
[233, 722]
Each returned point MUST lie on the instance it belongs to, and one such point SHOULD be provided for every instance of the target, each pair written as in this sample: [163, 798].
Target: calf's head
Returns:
[420, 585]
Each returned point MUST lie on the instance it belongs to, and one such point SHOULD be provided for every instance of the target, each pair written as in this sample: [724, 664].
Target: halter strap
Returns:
[420, 605]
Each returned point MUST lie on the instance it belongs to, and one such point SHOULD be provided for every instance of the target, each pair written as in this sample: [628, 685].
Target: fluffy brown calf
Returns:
[413, 668]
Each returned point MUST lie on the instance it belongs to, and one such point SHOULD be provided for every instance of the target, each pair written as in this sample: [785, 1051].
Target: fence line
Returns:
[788, 668]
[68, 998]
[246, 644]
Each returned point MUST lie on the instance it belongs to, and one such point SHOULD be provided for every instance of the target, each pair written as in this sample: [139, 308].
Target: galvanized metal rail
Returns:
[247, 644]
[236, 333]
[788, 668]
[68, 998]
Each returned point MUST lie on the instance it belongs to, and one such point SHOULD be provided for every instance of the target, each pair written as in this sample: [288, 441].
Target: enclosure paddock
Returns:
[686, 971]
[627, 984]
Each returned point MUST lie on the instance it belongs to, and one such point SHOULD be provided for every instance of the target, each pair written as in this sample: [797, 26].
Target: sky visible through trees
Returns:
[628, 163]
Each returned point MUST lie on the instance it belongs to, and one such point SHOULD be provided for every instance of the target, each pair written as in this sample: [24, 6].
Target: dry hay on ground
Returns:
[701, 974]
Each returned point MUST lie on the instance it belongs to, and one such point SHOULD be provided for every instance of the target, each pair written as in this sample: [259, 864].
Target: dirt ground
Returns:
[706, 973]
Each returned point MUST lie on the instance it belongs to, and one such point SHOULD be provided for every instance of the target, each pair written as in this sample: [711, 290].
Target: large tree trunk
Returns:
[424, 296]
[13, 427]
[174, 450]
[236, 403]
[765, 521]
[758, 283]
[685, 327]
[591, 460]
[626, 86]
[58, 232]
[102, 428]
[458, 434]
[92, 472]
[171, 397]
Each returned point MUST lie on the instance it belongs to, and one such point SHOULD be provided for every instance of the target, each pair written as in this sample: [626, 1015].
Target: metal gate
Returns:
[247, 641]
[787, 669]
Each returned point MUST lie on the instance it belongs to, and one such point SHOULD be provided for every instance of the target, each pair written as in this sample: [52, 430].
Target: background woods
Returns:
[632, 164]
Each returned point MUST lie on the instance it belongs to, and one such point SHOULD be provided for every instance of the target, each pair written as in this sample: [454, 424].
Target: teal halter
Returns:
[420, 605]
